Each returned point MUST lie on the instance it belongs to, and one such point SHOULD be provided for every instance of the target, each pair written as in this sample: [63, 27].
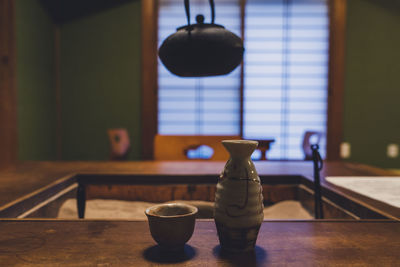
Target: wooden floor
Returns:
[128, 243]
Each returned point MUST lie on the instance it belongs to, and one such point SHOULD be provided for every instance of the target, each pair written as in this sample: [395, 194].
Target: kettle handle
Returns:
[187, 8]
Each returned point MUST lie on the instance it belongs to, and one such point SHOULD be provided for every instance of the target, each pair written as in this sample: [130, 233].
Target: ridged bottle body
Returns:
[239, 205]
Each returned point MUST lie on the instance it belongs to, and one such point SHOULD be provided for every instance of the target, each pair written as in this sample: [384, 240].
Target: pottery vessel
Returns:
[171, 225]
[239, 205]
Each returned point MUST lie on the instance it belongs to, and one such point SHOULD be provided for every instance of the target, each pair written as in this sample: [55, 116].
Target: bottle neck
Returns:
[240, 168]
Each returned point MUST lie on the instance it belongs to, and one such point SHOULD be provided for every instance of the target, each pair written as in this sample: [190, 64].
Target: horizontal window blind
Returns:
[285, 75]
[198, 106]
[286, 70]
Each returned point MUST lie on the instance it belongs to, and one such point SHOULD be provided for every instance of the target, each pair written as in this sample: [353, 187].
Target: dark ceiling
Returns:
[66, 10]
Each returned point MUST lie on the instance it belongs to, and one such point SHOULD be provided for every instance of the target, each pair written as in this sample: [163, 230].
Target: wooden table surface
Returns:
[128, 243]
[28, 177]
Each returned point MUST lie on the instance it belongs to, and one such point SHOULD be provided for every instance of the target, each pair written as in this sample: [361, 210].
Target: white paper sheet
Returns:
[384, 189]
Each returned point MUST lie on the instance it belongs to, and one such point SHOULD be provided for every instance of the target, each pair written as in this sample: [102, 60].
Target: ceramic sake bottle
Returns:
[238, 211]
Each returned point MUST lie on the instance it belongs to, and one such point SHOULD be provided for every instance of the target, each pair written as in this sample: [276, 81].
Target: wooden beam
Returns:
[149, 76]
[336, 77]
[8, 90]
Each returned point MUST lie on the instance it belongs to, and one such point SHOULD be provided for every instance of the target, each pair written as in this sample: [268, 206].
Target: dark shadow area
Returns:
[155, 254]
[390, 5]
[256, 257]
[63, 11]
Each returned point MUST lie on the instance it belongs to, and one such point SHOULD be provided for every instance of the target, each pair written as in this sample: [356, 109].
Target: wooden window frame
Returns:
[337, 18]
[337, 41]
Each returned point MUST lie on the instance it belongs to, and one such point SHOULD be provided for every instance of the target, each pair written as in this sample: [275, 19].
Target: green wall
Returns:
[35, 82]
[100, 81]
[372, 85]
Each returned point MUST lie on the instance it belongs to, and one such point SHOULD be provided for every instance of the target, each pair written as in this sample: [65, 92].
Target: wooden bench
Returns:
[175, 147]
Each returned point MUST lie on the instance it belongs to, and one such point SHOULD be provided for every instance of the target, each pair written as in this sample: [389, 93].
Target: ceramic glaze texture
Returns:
[238, 199]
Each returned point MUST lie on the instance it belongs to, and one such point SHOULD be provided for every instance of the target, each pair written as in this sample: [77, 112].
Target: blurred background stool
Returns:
[310, 138]
[119, 143]
[264, 145]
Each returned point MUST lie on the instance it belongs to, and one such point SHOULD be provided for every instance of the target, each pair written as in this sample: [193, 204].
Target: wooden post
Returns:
[336, 77]
[8, 91]
[149, 76]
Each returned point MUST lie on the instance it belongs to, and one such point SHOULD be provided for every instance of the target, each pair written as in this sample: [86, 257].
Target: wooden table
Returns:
[128, 243]
[20, 183]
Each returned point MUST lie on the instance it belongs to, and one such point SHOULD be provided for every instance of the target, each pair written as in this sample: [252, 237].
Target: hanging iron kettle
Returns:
[201, 49]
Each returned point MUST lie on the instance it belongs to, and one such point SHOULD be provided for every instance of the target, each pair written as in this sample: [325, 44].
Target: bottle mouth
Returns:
[240, 142]
[240, 148]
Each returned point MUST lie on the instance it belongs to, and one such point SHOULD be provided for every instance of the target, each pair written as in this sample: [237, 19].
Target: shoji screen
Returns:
[198, 106]
[286, 71]
[285, 75]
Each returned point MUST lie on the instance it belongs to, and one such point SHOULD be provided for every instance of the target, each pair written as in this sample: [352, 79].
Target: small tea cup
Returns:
[171, 225]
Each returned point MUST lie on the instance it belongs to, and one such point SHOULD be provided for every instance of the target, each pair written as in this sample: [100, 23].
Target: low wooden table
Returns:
[128, 243]
[29, 183]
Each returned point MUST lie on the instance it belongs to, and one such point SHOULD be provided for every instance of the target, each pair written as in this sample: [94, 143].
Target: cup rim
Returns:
[193, 211]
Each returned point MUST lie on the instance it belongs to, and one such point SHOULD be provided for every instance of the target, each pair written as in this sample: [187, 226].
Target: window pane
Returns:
[286, 73]
[285, 82]
[198, 105]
